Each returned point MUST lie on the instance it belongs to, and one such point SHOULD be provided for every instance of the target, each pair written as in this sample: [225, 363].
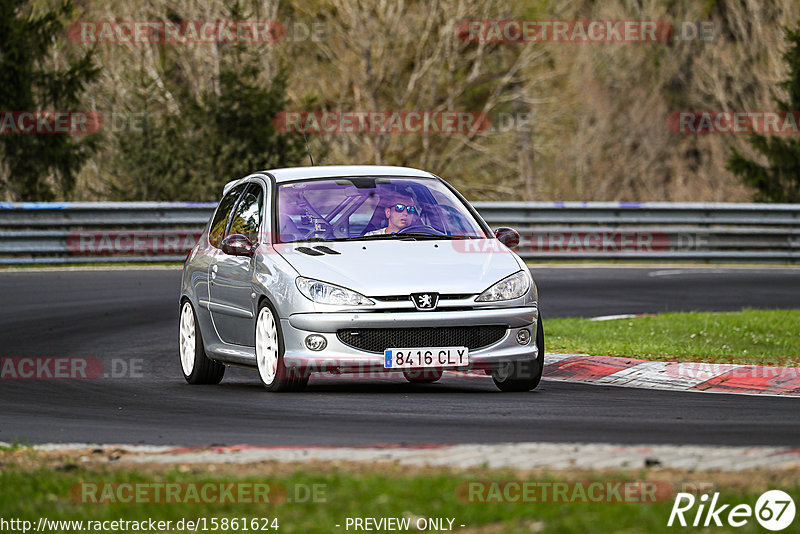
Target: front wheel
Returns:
[522, 375]
[269, 353]
[196, 366]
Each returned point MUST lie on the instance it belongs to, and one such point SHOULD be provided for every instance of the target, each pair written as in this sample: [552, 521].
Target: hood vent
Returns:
[326, 250]
[320, 250]
[309, 251]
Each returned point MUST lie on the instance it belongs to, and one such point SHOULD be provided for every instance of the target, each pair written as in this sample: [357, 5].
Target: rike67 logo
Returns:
[774, 510]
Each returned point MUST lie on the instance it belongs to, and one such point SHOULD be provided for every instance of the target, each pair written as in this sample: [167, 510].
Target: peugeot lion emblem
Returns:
[425, 301]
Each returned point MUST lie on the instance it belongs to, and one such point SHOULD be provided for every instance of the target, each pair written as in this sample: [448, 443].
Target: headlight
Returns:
[508, 288]
[325, 293]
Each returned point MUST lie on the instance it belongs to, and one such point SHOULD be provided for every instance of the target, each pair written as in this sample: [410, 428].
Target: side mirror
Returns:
[507, 236]
[237, 245]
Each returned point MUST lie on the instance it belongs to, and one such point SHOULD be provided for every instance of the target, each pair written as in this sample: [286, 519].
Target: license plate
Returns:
[426, 357]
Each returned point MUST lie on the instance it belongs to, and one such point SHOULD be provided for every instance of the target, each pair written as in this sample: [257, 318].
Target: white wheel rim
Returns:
[266, 346]
[187, 339]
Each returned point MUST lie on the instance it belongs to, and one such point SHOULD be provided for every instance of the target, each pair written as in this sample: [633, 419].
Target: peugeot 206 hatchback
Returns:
[356, 269]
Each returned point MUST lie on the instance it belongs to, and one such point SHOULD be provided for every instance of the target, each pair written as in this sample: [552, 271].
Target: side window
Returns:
[220, 220]
[247, 216]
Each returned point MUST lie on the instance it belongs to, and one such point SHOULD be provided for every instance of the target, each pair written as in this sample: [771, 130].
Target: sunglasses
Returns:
[400, 207]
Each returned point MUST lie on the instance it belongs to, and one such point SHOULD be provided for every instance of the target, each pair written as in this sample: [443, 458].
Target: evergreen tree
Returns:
[27, 83]
[779, 180]
[192, 154]
[219, 136]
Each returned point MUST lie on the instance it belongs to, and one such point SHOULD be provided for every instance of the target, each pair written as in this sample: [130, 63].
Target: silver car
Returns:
[356, 269]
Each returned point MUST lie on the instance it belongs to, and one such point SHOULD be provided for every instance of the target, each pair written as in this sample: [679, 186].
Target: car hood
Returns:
[400, 267]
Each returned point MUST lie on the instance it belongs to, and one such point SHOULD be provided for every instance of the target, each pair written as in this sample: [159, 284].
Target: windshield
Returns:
[354, 208]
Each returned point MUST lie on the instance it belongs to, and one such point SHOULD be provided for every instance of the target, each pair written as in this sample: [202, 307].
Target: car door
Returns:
[207, 255]
[232, 301]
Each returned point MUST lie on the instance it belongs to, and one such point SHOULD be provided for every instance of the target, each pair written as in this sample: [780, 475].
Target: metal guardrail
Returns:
[91, 232]
[87, 232]
[652, 231]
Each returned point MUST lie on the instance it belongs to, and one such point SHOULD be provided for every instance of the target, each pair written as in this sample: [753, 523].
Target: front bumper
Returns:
[338, 357]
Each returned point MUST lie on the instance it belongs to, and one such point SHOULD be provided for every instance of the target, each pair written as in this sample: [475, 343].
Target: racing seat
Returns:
[377, 221]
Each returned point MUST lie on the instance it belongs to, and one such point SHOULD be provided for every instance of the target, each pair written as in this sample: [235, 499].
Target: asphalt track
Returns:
[129, 317]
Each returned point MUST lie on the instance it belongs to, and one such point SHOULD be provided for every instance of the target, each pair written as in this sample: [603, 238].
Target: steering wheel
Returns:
[421, 228]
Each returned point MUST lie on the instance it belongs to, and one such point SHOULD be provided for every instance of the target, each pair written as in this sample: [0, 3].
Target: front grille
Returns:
[380, 339]
[400, 298]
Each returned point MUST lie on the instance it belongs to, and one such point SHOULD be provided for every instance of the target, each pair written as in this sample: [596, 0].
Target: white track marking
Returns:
[509, 455]
[614, 317]
[502, 455]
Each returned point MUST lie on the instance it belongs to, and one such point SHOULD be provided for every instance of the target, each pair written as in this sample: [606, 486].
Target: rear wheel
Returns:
[422, 376]
[522, 375]
[269, 354]
[196, 366]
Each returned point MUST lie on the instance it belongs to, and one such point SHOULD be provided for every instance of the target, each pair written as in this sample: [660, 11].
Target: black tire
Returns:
[204, 369]
[284, 380]
[522, 375]
[422, 376]
[299, 383]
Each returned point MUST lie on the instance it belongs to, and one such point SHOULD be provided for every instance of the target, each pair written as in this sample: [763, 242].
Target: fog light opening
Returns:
[316, 342]
[524, 336]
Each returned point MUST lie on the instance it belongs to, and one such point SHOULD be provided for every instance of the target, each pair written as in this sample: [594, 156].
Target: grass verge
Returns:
[758, 337]
[319, 498]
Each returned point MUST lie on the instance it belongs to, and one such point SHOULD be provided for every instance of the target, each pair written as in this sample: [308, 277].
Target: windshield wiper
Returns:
[378, 237]
[422, 235]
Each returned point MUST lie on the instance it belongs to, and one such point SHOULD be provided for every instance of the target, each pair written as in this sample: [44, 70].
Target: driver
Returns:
[399, 214]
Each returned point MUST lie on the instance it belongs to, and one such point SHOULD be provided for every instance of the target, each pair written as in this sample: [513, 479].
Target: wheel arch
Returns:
[203, 323]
